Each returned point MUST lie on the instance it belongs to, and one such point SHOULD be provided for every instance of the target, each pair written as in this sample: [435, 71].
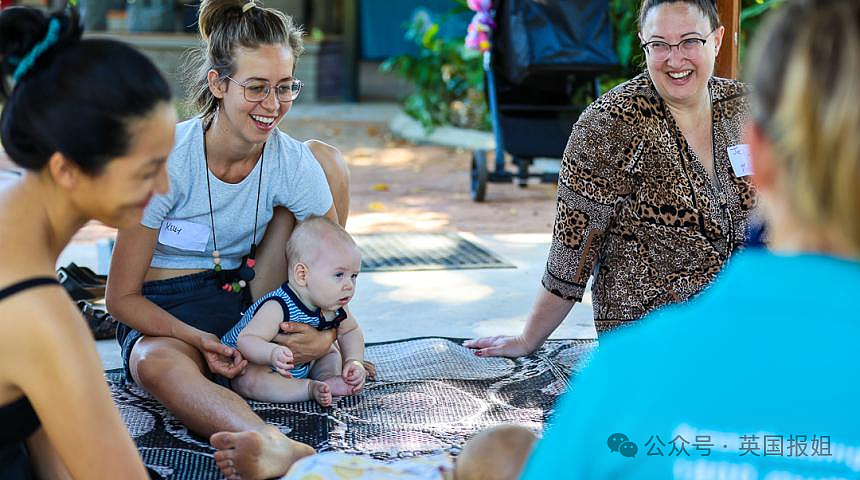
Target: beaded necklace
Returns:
[246, 271]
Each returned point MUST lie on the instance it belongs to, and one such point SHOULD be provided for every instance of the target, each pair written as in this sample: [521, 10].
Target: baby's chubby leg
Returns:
[260, 383]
[328, 369]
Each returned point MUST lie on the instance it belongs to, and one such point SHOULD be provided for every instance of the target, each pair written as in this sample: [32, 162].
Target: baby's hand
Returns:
[282, 360]
[354, 375]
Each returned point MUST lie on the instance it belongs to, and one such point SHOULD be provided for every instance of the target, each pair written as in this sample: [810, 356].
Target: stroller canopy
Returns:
[535, 36]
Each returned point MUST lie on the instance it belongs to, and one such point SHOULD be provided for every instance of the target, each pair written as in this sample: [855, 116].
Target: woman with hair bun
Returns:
[91, 123]
[756, 377]
[181, 278]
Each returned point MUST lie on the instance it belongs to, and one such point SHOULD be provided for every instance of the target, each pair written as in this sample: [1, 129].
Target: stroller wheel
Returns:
[479, 175]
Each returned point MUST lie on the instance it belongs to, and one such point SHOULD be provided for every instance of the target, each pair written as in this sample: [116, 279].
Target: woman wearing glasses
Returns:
[180, 280]
[654, 192]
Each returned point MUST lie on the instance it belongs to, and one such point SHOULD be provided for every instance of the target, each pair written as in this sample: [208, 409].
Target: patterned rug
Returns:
[386, 252]
[430, 396]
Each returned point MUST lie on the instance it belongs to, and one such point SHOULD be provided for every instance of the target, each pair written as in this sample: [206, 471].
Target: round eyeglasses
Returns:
[691, 47]
[259, 90]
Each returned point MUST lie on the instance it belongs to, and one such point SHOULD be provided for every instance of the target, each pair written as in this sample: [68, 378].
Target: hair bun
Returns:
[212, 13]
[22, 28]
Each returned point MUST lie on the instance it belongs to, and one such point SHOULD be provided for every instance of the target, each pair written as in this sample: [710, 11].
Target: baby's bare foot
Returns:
[320, 392]
[256, 454]
[339, 388]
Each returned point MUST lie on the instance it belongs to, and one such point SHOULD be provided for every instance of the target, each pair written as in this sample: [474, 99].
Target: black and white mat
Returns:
[382, 252]
[430, 396]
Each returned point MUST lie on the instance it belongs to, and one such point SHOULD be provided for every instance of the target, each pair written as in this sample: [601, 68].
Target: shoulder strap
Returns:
[26, 284]
[279, 299]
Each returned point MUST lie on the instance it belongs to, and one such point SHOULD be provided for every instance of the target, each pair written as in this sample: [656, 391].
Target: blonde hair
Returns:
[806, 77]
[307, 239]
[226, 25]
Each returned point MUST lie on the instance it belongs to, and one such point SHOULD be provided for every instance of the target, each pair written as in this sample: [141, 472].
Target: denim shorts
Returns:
[15, 462]
[195, 299]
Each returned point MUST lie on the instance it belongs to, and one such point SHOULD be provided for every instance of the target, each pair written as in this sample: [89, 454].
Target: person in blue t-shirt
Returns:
[760, 385]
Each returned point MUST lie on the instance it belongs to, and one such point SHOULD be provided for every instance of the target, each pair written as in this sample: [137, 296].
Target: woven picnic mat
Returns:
[430, 396]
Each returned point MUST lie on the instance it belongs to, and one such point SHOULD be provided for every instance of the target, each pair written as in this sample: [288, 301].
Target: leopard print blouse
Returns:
[636, 204]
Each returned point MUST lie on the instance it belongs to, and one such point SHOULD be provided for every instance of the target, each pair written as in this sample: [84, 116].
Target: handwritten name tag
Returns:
[739, 155]
[184, 235]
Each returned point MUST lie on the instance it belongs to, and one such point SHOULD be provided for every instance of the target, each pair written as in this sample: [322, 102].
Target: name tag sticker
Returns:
[184, 235]
[739, 155]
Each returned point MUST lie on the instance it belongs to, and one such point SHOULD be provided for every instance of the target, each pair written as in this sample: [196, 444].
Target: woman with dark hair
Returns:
[756, 377]
[181, 278]
[653, 194]
[91, 123]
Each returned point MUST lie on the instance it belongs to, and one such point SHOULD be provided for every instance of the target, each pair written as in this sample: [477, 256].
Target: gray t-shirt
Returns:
[291, 178]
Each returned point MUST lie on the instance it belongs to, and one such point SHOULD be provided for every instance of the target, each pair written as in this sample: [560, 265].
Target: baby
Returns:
[323, 263]
[498, 453]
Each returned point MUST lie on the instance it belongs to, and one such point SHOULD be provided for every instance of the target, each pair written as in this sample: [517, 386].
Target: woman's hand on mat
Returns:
[282, 360]
[500, 346]
[306, 342]
[354, 375]
[221, 359]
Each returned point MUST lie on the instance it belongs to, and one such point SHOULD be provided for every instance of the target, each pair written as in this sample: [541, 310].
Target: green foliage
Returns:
[448, 78]
[624, 15]
[752, 12]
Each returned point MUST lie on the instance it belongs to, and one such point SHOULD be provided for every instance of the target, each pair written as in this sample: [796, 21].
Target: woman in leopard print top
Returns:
[648, 197]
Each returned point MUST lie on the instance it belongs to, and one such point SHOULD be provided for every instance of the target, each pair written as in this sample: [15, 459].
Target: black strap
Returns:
[339, 316]
[25, 284]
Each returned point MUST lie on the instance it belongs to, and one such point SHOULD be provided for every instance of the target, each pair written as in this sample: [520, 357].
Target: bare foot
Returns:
[339, 388]
[320, 392]
[263, 453]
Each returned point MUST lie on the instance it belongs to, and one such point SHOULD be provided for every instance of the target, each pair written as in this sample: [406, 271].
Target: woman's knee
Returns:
[154, 360]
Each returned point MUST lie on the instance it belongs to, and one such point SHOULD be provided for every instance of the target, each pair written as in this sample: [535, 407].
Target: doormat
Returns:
[423, 251]
[430, 396]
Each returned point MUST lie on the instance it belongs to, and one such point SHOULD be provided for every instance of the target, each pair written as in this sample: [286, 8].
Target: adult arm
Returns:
[46, 461]
[58, 369]
[337, 175]
[130, 261]
[306, 342]
[594, 182]
[547, 314]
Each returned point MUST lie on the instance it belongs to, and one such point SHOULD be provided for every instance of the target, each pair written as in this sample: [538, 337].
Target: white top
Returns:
[291, 178]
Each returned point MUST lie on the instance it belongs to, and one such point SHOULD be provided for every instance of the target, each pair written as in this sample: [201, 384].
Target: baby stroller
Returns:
[544, 55]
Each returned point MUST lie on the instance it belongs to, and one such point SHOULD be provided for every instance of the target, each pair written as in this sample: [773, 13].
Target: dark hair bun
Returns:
[22, 28]
[78, 95]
